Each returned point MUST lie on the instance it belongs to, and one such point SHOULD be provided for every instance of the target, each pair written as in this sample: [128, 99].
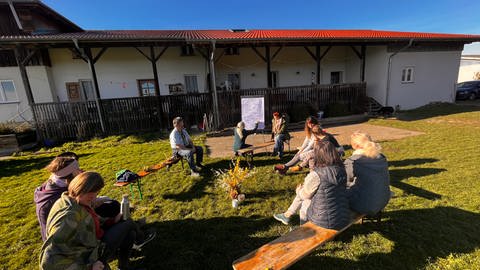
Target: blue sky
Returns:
[440, 16]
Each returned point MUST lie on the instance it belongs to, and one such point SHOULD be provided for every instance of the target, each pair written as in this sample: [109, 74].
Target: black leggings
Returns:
[121, 237]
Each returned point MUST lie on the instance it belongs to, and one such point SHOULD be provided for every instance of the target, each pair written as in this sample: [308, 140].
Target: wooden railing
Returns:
[80, 120]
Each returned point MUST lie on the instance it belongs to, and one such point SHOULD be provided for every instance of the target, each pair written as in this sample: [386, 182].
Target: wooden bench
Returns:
[137, 183]
[286, 250]
[248, 151]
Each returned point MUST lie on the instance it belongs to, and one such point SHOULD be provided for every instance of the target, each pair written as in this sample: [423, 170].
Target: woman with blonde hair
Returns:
[367, 173]
[240, 135]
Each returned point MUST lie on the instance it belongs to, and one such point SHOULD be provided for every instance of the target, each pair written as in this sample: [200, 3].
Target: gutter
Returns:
[389, 71]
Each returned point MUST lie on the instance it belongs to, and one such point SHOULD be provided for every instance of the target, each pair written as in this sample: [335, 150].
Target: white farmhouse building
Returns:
[45, 58]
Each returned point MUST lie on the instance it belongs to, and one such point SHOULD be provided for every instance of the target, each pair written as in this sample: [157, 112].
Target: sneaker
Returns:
[150, 236]
[296, 168]
[282, 218]
[200, 166]
[194, 174]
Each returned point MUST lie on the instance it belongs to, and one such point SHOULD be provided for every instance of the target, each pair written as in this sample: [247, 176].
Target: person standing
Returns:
[183, 146]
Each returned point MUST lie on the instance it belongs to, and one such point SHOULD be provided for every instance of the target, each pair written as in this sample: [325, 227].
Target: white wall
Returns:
[435, 76]
[294, 66]
[467, 71]
[376, 64]
[118, 70]
[41, 89]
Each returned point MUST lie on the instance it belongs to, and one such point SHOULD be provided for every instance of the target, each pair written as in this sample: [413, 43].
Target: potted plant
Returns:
[231, 180]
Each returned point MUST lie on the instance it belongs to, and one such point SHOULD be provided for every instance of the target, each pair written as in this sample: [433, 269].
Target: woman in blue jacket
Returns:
[368, 178]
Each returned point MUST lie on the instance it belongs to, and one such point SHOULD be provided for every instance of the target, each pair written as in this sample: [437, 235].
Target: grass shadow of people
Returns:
[212, 243]
[418, 236]
[397, 175]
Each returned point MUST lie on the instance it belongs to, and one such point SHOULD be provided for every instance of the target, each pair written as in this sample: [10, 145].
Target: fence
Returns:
[80, 120]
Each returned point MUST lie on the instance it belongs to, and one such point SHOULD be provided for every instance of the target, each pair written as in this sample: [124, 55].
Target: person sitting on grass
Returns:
[240, 135]
[279, 133]
[368, 178]
[306, 158]
[76, 238]
[183, 146]
[63, 168]
[322, 197]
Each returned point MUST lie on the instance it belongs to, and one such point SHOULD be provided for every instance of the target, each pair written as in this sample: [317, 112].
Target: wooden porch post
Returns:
[362, 68]
[23, 72]
[317, 53]
[213, 87]
[269, 66]
[154, 69]
[91, 65]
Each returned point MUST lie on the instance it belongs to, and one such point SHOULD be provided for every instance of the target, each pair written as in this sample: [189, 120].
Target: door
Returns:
[87, 89]
[73, 91]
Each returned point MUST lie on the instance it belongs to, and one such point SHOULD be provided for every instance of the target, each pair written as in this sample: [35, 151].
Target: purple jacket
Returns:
[45, 196]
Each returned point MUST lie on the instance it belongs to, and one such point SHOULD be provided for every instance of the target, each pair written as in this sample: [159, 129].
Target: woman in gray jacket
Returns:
[368, 179]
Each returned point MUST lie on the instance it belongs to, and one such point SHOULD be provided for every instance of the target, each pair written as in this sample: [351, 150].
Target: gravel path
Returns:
[222, 146]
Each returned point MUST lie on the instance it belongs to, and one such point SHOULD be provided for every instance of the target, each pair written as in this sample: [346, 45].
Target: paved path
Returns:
[222, 146]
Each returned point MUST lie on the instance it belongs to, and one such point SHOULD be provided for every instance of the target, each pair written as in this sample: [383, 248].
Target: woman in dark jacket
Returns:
[367, 174]
[329, 206]
[240, 135]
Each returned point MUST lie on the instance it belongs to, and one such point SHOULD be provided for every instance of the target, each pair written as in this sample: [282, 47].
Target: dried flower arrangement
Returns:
[231, 180]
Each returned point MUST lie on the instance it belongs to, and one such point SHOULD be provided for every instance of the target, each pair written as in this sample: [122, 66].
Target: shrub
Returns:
[14, 127]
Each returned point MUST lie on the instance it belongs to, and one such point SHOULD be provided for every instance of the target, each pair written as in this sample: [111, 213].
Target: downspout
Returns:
[389, 68]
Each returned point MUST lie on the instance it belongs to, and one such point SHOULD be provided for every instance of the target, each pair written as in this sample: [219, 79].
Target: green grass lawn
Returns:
[433, 221]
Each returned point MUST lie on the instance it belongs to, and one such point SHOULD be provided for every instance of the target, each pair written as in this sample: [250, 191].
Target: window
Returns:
[146, 87]
[191, 84]
[407, 75]
[233, 81]
[335, 77]
[187, 50]
[7, 91]
[274, 79]
[232, 51]
[87, 89]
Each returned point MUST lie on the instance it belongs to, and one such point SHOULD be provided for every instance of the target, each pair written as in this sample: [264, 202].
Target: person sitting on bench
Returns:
[183, 146]
[305, 158]
[279, 133]
[240, 135]
[322, 199]
[367, 173]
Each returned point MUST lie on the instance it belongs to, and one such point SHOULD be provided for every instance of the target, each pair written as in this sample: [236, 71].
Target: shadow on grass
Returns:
[434, 110]
[197, 190]
[204, 244]
[418, 236]
[397, 175]
[412, 161]
[11, 167]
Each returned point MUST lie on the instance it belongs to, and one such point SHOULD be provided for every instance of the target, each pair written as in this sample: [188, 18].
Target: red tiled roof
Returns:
[248, 35]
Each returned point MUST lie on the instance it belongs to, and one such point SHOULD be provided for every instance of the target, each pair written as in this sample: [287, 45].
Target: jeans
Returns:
[188, 155]
[301, 206]
[278, 147]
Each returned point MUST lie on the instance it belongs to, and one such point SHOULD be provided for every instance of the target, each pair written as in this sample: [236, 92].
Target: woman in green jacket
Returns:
[75, 237]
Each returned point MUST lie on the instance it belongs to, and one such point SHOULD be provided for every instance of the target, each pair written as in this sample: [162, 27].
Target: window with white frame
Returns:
[191, 84]
[7, 91]
[407, 75]
[146, 87]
